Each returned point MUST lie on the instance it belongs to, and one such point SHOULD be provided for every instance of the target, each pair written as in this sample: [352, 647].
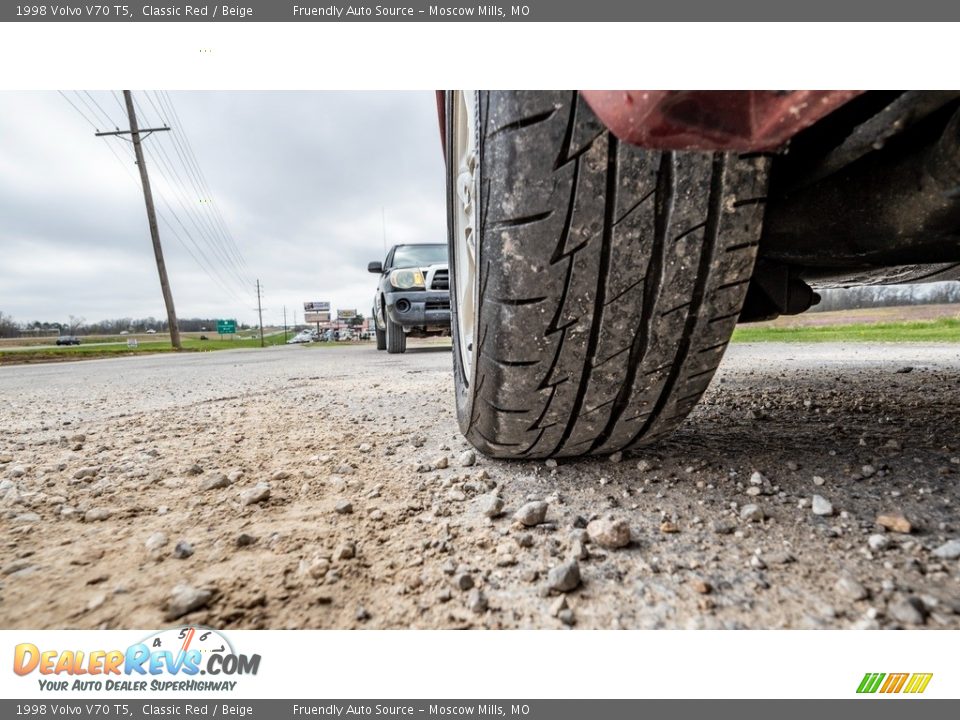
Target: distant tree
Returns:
[8, 328]
[867, 296]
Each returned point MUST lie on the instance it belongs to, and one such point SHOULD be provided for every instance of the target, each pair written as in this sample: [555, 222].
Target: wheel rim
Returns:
[466, 247]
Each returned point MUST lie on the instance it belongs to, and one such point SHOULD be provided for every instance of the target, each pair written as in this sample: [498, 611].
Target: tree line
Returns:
[10, 328]
[867, 296]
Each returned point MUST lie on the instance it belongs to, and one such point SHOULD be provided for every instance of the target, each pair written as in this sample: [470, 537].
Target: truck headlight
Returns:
[406, 279]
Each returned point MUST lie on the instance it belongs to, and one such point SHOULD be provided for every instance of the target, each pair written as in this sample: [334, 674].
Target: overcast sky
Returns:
[299, 179]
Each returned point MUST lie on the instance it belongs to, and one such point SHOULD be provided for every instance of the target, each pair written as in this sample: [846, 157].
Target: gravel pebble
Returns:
[215, 481]
[907, 610]
[468, 458]
[609, 533]
[477, 601]
[97, 514]
[346, 551]
[244, 540]
[491, 505]
[895, 522]
[821, 506]
[564, 577]
[950, 550]
[182, 550]
[185, 599]
[849, 588]
[464, 581]
[156, 541]
[751, 513]
[533, 513]
[723, 527]
[343, 507]
[878, 542]
[257, 494]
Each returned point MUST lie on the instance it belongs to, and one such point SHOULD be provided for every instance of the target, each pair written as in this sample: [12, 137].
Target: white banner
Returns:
[529, 664]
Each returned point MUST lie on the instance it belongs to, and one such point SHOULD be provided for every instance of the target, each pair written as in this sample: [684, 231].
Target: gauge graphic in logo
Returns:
[181, 640]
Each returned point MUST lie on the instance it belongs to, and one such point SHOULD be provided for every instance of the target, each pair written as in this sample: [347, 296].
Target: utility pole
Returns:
[284, 323]
[260, 312]
[135, 132]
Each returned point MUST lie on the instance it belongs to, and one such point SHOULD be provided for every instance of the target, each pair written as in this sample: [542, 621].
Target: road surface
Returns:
[305, 487]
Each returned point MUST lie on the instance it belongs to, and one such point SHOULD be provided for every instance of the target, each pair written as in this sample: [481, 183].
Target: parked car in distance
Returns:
[413, 295]
[68, 340]
[301, 337]
[151, 332]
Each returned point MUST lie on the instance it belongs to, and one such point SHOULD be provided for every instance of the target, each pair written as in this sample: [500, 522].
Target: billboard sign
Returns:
[318, 306]
[346, 314]
[316, 317]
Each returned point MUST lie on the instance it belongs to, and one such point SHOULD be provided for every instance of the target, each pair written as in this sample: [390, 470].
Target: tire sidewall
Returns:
[462, 383]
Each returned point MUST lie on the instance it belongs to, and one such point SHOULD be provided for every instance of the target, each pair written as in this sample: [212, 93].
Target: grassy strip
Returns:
[942, 330]
[89, 352]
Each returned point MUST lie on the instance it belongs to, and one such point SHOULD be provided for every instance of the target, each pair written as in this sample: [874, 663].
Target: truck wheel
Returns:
[381, 339]
[594, 284]
[396, 339]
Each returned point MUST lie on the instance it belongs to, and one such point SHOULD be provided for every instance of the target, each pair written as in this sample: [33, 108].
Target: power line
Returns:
[179, 136]
[160, 214]
[189, 210]
[104, 112]
[188, 158]
[79, 111]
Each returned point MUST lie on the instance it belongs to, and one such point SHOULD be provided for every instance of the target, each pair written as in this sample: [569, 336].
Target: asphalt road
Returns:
[328, 487]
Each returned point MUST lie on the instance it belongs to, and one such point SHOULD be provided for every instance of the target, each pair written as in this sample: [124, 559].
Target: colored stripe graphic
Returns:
[870, 682]
[918, 682]
[894, 683]
[913, 683]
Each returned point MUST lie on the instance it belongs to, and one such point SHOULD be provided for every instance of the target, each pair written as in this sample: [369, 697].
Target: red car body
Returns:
[742, 120]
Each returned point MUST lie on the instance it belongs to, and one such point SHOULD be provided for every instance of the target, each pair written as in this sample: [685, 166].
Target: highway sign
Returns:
[226, 327]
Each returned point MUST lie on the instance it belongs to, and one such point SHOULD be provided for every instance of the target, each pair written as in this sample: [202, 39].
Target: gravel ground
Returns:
[815, 487]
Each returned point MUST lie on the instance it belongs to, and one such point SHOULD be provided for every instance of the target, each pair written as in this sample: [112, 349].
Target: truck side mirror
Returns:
[375, 267]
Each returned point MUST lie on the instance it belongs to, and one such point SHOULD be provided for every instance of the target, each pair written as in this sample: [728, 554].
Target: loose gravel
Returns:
[814, 487]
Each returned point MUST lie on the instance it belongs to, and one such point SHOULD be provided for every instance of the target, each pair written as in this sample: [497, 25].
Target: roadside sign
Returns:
[316, 317]
[318, 306]
[132, 343]
[346, 314]
[226, 327]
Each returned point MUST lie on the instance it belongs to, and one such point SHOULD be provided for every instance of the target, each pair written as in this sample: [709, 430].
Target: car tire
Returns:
[396, 339]
[607, 279]
[381, 339]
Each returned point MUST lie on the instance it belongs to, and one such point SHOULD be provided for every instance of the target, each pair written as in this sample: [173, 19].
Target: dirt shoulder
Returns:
[293, 488]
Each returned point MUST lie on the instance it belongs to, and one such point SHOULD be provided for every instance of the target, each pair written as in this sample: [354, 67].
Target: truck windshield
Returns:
[419, 255]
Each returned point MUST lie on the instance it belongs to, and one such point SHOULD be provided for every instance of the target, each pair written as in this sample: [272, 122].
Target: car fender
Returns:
[742, 120]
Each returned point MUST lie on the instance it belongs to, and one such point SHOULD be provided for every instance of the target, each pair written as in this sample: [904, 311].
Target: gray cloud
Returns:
[300, 179]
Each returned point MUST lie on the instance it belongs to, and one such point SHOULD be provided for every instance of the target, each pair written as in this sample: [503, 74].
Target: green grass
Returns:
[86, 352]
[942, 330]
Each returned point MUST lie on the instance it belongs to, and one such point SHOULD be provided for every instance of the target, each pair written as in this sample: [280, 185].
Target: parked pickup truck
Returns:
[413, 295]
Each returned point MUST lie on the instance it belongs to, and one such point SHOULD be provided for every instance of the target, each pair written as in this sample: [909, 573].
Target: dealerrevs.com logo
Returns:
[891, 683]
[169, 660]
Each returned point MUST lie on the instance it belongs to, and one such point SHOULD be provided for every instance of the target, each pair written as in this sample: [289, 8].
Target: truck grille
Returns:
[441, 280]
